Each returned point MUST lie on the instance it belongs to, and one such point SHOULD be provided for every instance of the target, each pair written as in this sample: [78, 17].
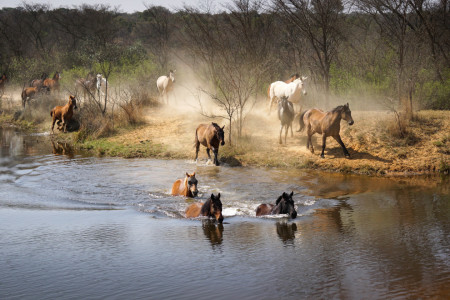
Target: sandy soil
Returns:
[372, 147]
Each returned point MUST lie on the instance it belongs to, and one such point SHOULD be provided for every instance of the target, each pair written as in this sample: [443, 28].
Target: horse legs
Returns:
[281, 130]
[197, 148]
[324, 142]
[286, 132]
[338, 139]
[292, 133]
[207, 152]
[216, 152]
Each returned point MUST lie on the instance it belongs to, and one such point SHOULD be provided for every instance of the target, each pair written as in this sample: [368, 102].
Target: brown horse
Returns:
[39, 83]
[212, 208]
[283, 205]
[185, 187]
[88, 85]
[63, 113]
[3, 80]
[53, 84]
[210, 136]
[31, 93]
[327, 124]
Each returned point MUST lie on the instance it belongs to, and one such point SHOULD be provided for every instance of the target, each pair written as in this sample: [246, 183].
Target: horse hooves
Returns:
[322, 156]
[347, 155]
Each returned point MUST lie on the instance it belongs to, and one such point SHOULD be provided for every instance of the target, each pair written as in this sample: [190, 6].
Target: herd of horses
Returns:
[283, 93]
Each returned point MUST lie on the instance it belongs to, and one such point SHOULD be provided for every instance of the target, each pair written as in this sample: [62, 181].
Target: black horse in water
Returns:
[286, 116]
[284, 205]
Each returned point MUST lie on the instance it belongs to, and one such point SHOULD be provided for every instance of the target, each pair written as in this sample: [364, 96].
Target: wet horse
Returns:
[53, 84]
[292, 90]
[327, 124]
[165, 85]
[212, 208]
[286, 116]
[3, 80]
[185, 187]
[63, 113]
[210, 136]
[283, 205]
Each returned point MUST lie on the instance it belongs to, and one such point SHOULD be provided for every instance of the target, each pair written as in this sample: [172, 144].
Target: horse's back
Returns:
[264, 209]
[193, 210]
[176, 187]
[161, 82]
[203, 133]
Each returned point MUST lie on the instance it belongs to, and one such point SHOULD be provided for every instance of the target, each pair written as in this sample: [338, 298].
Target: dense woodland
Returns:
[357, 50]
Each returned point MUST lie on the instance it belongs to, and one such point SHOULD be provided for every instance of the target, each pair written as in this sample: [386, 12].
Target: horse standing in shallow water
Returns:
[210, 136]
[283, 205]
[165, 85]
[327, 124]
[211, 208]
[286, 116]
[63, 113]
[292, 90]
[185, 187]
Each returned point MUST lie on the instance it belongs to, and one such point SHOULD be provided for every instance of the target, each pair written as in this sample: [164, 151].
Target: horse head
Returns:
[346, 114]
[191, 183]
[215, 208]
[73, 101]
[220, 134]
[172, 75]
[285, 205]
[57, 76]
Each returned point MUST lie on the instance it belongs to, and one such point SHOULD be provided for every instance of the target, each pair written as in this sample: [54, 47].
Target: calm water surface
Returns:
[79, 227]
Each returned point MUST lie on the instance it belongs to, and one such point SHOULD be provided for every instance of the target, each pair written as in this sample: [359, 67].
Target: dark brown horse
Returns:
[53, 84]
[63, 113]
[185, 187]
[212, 208]
[3, 80]
[210, 136]
[286, 116]
[283, 205]
[327, 124]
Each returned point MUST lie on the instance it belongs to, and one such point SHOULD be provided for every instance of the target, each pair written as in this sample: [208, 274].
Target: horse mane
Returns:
[296, 75]
[216, 125]
[338, 108]
[206, 208]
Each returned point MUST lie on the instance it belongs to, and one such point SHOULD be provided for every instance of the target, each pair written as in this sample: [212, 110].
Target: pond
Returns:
[75, 227]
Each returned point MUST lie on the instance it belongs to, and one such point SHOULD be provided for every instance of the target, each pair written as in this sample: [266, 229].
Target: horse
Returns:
[325, 123]
[283, 205]
[212, 208]
[53, 84]
[292, 90]
[210, 136]
[185, 187]
[291, 78]
[3, 80]
[87, 85]
[39, 83]
[31, 93]
[286, 116]
[165, 85]
[63, 113]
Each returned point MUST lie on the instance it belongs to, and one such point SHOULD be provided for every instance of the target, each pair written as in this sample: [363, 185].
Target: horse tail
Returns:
[301, 121]
[51, 113]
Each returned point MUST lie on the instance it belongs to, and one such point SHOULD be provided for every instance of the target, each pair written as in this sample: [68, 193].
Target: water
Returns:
[80, 227]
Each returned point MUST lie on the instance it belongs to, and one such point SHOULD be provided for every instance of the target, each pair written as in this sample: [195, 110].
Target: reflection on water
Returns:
[85, 227]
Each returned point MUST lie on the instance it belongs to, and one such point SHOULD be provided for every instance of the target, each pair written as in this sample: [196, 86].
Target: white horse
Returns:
[165, 85]
[101, 85]
[292, 91]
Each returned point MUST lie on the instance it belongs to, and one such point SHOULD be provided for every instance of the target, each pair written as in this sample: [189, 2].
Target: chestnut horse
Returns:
[63, 113]
[53, 84]
[31, 93]
[165, 85]
[212, 208]
[327, 124]
[283, 205]
[185, 187]
[210, 136]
